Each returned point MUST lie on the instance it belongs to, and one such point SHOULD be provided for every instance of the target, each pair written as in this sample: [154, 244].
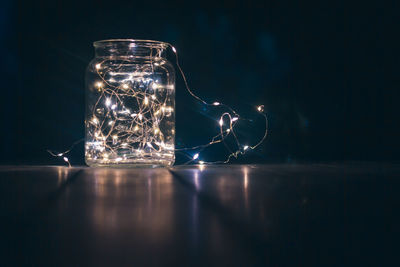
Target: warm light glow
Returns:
[144, 124]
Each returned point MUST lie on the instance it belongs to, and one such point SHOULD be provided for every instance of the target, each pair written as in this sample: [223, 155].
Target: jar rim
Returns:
[148, 43]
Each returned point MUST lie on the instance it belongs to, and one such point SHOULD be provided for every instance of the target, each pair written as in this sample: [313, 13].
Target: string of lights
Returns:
[114, 127]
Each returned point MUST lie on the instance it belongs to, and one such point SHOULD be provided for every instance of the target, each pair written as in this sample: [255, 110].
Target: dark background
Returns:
[326, 73]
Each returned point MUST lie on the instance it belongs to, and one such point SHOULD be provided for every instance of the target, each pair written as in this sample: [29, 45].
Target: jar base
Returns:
[130, 163]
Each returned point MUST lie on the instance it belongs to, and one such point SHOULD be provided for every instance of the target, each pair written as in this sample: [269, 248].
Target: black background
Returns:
[326, 73]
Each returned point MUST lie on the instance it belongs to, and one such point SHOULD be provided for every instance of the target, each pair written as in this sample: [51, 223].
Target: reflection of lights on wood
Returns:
[245, 178]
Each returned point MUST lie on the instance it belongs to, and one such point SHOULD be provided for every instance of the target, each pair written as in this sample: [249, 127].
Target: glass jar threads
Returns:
[130, 104]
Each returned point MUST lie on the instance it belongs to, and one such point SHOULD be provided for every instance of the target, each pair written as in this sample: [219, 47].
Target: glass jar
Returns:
[130, 104]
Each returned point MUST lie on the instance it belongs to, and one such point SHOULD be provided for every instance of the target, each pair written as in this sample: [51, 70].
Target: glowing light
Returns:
[108, 102]
[149, 145]
[65, 159]
[142, 126]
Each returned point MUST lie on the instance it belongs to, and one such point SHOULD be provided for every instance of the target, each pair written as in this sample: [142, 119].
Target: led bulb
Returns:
[108, 102]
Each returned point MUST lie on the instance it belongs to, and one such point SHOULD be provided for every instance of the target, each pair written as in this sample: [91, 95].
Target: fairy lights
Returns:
[114, 128]
[240, 149]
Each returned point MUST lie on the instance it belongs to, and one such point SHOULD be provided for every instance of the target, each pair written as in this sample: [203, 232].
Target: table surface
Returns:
[231, 215]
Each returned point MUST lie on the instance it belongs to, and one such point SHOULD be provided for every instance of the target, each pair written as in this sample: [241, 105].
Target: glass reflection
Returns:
[128, 200]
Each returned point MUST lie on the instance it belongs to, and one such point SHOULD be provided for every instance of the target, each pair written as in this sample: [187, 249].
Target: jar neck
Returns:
[130, 48]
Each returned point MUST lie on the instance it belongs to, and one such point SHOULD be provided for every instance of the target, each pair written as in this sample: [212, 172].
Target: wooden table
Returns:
[231, 215]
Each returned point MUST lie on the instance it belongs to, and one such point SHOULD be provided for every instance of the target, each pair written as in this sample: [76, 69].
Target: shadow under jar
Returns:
[130, 105]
